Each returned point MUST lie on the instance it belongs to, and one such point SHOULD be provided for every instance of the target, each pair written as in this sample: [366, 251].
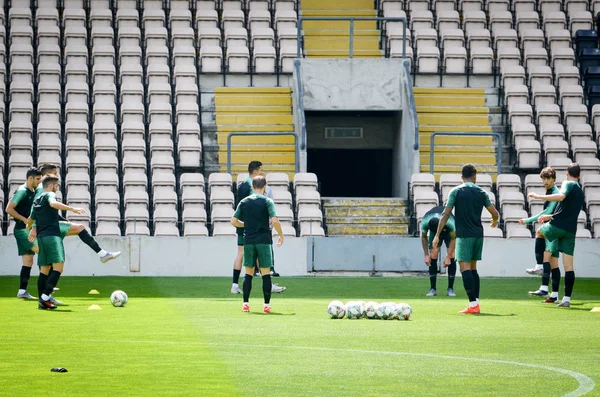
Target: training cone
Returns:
[94, 292]
[94, 307]
[595, 310]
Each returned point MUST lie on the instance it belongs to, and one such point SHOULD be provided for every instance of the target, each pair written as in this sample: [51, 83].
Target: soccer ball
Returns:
[118, 298]
[336, 309]
[363, 308]
[371, 309]
[380, 312]
[354, 310]
[390, 310]
[404, 311]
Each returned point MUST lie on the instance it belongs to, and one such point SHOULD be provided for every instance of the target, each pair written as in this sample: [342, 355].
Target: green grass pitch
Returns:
[188, 337]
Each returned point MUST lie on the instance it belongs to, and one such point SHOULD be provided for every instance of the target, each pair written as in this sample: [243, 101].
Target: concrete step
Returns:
[359, 211]
[354, 229]
[367, 220]
[362, 202]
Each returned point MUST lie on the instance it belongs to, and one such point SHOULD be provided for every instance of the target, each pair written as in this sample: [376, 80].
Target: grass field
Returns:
[188, 337]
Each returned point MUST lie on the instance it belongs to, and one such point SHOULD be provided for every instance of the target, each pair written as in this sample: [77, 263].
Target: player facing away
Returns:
[542, 246]
[50, 242]
[560, 228]
[68, 228]
[253, 214]
[255, 168]
[429, 226]
[469, 200]
[19, 207]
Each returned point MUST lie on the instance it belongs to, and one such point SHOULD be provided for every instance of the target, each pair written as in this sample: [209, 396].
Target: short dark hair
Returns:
[49, 180]
[47, 168]
[253, 166]
[32, 172]
[433, 225]
[469, 171]
[548, 173]
[259, 182]
[574, 170]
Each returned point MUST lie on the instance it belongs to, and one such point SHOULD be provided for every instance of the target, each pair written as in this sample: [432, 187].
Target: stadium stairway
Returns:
[455, 110]
[331, 39]
[365, 216]
[255, 110]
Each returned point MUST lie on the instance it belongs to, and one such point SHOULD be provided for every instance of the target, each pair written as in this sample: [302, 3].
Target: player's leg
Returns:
[54, 255]
[466, 253]
[540, 245]
[451, 269]
[567, 246]
[42, 279]
[237, 266]
[433, 270]
[76, 229]
[551, 234]
[26, 252]
[250, 257]
[265, 261]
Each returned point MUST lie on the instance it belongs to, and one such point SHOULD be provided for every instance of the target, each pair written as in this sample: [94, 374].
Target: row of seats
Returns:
[171, 4]
[510, 198]
[569, 6]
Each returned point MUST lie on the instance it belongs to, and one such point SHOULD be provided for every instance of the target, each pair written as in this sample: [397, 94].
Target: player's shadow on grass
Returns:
[496, 315]
[273, 314]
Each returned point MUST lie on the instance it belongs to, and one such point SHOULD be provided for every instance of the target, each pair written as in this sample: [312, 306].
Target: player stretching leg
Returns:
[19, 207]
[561, 228]
[429, 226]
[542, 253]
[253, 214]
[469, 200]
[51, 250]
[72, 229]
[255, 168]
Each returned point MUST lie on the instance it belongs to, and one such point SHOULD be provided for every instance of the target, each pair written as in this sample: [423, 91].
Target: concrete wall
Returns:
[351, 84]
[405, 144]
[213, 256]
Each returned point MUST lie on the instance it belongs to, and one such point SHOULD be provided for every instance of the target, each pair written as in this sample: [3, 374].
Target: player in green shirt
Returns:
[51, 250]
[253, 214]
[72, 229]
[19, 207]
[429, 226]
[560, 228]
[542, 246]
[469, 200]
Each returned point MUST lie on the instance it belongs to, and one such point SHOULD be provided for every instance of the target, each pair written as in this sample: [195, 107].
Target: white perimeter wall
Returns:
[213, 256]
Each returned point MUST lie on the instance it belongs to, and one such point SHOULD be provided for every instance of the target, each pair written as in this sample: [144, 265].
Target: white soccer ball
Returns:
[354, 310]
[390, 310]
[371, 309]
[363, 308]
[336, 309]
[118, 298]
[404, 311]
[380, 312]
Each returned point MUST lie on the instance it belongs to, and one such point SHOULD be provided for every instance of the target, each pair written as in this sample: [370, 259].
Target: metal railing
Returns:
[232, 134]
[492, 134]
[300, 33]
[301, 106]
[412, 105]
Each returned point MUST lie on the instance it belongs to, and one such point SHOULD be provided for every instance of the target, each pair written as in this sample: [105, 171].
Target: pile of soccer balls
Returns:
[372, 310]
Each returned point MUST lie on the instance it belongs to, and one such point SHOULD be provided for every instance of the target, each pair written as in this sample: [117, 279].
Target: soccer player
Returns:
[560, 228]
[19, 207]
[429, 226]
[71, 229]
[245, 189]
[542, 246]
[469, 200]
[50, 242]
[253, 214]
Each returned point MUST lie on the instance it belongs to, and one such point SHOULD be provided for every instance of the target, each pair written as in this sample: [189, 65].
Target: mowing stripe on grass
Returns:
[586, 384]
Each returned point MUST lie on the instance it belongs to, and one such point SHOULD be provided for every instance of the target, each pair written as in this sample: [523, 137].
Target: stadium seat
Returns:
[528, 154]
[422, 182]
[449, 181]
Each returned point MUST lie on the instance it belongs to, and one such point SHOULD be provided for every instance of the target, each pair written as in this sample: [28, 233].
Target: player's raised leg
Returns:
[76, 229]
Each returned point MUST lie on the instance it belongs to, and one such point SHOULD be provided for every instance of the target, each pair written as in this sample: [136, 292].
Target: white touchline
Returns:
[586, 384]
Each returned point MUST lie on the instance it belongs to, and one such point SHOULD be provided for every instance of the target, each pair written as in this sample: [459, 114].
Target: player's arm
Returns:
[452, 247]
[495, 214]
[443, 220]
[11, 207]
[235, 219]
[57, 205]
[236, 222]
[560, 196]
[274, 220]
[425, 243]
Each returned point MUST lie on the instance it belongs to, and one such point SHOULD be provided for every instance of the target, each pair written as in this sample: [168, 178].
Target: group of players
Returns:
[39, 229]
[463, 234]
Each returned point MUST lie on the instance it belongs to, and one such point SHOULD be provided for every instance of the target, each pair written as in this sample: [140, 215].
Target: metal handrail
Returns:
[301, 106]
[232, 134]
[493, 134]
[351, 19]
[412, 105]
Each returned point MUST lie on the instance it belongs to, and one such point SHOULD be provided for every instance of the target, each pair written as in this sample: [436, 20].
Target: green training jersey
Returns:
[549, 206]
[255, 211]
[468, 200]
[567, 211]
[436, 213]
[23, 199]
[45, 216]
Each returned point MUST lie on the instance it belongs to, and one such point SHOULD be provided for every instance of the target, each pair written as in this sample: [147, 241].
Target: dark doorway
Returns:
[352, 172]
